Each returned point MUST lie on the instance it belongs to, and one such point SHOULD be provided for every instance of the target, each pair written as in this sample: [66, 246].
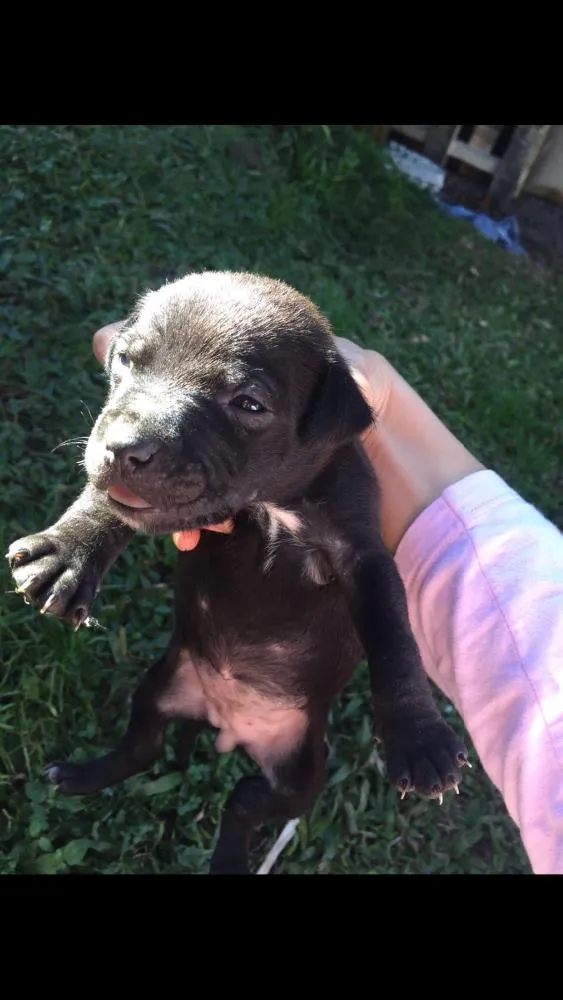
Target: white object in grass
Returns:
[281, 843]
[417, 168]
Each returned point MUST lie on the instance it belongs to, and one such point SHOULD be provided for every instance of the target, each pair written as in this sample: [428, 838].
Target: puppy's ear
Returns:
[337, 411]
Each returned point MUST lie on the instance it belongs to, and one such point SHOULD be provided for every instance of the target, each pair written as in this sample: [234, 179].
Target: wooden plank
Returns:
[381, 132]
[437, 142]
[515, 166]
[546, 176]
[414, 132]
[484, 137]
[475, 157]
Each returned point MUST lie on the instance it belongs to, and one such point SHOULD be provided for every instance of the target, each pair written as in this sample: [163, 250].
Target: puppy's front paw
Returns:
[55, 572]
[425, 758]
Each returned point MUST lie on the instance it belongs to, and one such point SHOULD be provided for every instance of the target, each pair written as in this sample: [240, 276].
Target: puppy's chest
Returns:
[258, 582]
[259, 641]
[273, 619]
[288, 535]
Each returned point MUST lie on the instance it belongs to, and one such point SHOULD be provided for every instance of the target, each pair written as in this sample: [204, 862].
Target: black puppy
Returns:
[228, 399]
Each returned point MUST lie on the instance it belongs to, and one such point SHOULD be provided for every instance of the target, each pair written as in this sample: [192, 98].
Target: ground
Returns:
[92, 215]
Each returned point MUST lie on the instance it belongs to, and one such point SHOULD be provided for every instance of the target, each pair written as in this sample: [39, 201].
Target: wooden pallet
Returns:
[480, 147]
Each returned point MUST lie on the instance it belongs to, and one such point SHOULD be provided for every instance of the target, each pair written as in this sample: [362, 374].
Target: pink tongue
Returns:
[125, 496]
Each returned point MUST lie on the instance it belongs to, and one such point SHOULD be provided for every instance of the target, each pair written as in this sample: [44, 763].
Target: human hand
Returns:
[414, 455]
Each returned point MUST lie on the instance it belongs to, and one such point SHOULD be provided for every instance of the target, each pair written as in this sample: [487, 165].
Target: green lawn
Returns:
[91, 215]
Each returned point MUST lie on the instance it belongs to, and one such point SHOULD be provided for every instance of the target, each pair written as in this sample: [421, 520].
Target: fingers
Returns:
[188, 540]
[225, 527]
[372, 372]
[357, 358]
[185, 541]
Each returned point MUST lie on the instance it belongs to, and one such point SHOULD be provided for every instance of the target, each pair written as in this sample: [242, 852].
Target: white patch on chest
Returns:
[280, 518]
[267, 728]
[275, 521]
[316, 571]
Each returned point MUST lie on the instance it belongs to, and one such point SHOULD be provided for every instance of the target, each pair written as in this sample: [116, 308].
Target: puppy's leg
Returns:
[422, 752]
[189, 731]
[285, 790]
[143, 741]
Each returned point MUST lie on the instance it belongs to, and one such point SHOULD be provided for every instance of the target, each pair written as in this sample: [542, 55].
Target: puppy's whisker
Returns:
[79, 442]
[92, 421]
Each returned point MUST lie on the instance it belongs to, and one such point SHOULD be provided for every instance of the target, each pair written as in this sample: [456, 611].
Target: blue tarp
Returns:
[506, 231]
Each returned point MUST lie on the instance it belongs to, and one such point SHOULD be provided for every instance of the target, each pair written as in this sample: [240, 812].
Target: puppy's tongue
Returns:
[125, 496]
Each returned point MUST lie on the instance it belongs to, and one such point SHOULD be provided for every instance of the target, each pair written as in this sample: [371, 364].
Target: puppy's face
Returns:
[226, 390]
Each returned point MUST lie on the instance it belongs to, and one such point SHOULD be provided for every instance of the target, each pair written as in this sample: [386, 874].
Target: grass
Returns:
[93, 214]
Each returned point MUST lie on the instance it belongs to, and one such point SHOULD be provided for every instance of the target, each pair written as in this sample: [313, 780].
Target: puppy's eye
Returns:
[124, 359]
[248, 404]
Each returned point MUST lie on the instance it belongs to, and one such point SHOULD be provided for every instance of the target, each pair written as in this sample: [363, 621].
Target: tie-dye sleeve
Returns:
[483, 571]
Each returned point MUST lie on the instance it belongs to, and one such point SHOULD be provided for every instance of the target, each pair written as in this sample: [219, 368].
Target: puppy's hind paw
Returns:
[425, 760]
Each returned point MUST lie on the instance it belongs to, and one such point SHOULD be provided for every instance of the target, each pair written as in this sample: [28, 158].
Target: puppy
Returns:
[228, 399]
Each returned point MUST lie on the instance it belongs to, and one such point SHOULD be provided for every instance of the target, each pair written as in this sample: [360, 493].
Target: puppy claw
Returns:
[80, 618]
[436, 793]
[48, 603]
[455, 787]
[26, 583]
[51, 772]
[405, 787]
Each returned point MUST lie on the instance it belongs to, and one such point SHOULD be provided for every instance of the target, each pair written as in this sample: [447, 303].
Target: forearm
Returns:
[483, 571]
[93, 524]
[414, 455]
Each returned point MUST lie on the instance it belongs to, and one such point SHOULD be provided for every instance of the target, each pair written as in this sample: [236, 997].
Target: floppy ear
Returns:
[337, 411]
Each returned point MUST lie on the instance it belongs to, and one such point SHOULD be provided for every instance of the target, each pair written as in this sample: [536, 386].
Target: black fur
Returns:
[272, 619]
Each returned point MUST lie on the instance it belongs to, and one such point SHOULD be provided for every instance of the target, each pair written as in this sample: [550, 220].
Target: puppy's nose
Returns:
[133, 454]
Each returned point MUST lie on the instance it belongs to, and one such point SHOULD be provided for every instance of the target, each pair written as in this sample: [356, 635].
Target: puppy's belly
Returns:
[267, 728]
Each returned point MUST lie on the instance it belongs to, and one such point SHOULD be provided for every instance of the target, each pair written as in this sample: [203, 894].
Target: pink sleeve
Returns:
[483, 571]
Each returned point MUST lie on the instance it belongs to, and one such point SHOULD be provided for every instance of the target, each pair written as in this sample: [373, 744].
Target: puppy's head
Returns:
[226, 390]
